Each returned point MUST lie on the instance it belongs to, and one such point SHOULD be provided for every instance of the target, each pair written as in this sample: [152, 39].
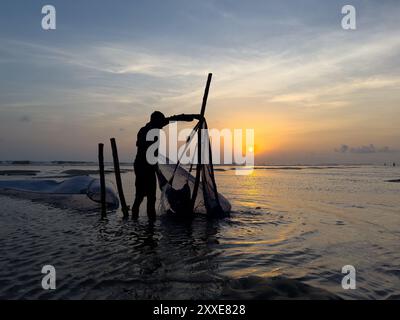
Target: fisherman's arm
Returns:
[184, 117]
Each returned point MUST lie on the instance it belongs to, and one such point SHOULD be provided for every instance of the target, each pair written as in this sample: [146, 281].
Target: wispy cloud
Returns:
[365, 149]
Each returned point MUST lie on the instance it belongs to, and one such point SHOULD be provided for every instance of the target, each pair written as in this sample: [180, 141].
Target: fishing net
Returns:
[85, 187]
[178, 185]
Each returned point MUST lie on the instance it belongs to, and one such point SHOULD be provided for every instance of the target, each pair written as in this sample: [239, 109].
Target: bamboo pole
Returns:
[199, 142]
[102, 181]
[124, 207]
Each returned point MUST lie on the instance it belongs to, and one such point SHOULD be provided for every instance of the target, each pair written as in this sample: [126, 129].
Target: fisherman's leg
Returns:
[140, 184]
[151, 195]
[151, 207]
[136, 205]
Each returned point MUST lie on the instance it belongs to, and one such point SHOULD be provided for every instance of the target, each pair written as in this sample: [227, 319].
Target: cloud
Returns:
[296, 66]
[365, 149]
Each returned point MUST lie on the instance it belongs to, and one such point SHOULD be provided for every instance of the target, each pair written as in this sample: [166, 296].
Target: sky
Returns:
[312, 91]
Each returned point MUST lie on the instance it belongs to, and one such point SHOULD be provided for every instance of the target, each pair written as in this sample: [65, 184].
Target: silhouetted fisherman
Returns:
[146, 182]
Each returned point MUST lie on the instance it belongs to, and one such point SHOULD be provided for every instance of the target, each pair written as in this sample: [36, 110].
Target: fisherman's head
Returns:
[157, 119]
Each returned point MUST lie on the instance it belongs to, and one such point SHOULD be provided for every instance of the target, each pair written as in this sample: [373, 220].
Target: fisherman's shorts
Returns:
[146, 181]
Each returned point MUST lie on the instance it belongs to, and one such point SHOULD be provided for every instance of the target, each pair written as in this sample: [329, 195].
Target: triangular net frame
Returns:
[178, 185]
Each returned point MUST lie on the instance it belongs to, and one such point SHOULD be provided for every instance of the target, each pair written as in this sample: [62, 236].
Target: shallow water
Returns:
[299, 224]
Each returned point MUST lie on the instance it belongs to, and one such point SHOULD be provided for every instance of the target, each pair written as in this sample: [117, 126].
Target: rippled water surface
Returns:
[301, 223]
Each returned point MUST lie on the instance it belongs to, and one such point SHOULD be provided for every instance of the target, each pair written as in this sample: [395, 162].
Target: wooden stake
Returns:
[118, 180]
[102, 181]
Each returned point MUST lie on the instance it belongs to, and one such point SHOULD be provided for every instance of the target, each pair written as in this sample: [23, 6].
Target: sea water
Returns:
[298, 223]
